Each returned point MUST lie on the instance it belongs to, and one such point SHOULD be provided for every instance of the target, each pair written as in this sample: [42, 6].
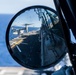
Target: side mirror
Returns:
[35, 38]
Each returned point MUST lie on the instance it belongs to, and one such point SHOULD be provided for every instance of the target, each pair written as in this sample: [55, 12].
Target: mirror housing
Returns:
[35, 38]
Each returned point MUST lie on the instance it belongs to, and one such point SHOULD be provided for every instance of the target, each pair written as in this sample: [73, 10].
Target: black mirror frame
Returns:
[7, 36]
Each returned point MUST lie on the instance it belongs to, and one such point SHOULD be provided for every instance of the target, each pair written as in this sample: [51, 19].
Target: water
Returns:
[5, 58]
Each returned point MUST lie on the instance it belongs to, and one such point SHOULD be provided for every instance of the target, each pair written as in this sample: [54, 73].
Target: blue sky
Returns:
[13, 6]
[29, 17]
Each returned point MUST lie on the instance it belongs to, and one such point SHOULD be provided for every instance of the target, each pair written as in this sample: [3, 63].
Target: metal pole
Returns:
[42, 48]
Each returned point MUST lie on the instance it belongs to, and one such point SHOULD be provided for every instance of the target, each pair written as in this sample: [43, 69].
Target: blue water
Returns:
[5, 58]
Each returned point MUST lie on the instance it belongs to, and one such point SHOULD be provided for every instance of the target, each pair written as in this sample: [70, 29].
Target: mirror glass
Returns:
[35, 37]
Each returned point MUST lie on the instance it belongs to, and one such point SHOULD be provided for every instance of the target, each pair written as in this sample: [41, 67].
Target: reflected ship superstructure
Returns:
[43, 46]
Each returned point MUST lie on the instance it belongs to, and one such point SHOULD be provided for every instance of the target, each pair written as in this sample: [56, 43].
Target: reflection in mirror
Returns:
[36, 38]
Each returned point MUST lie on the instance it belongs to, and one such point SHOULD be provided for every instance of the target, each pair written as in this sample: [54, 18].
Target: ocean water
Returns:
[5, 58]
